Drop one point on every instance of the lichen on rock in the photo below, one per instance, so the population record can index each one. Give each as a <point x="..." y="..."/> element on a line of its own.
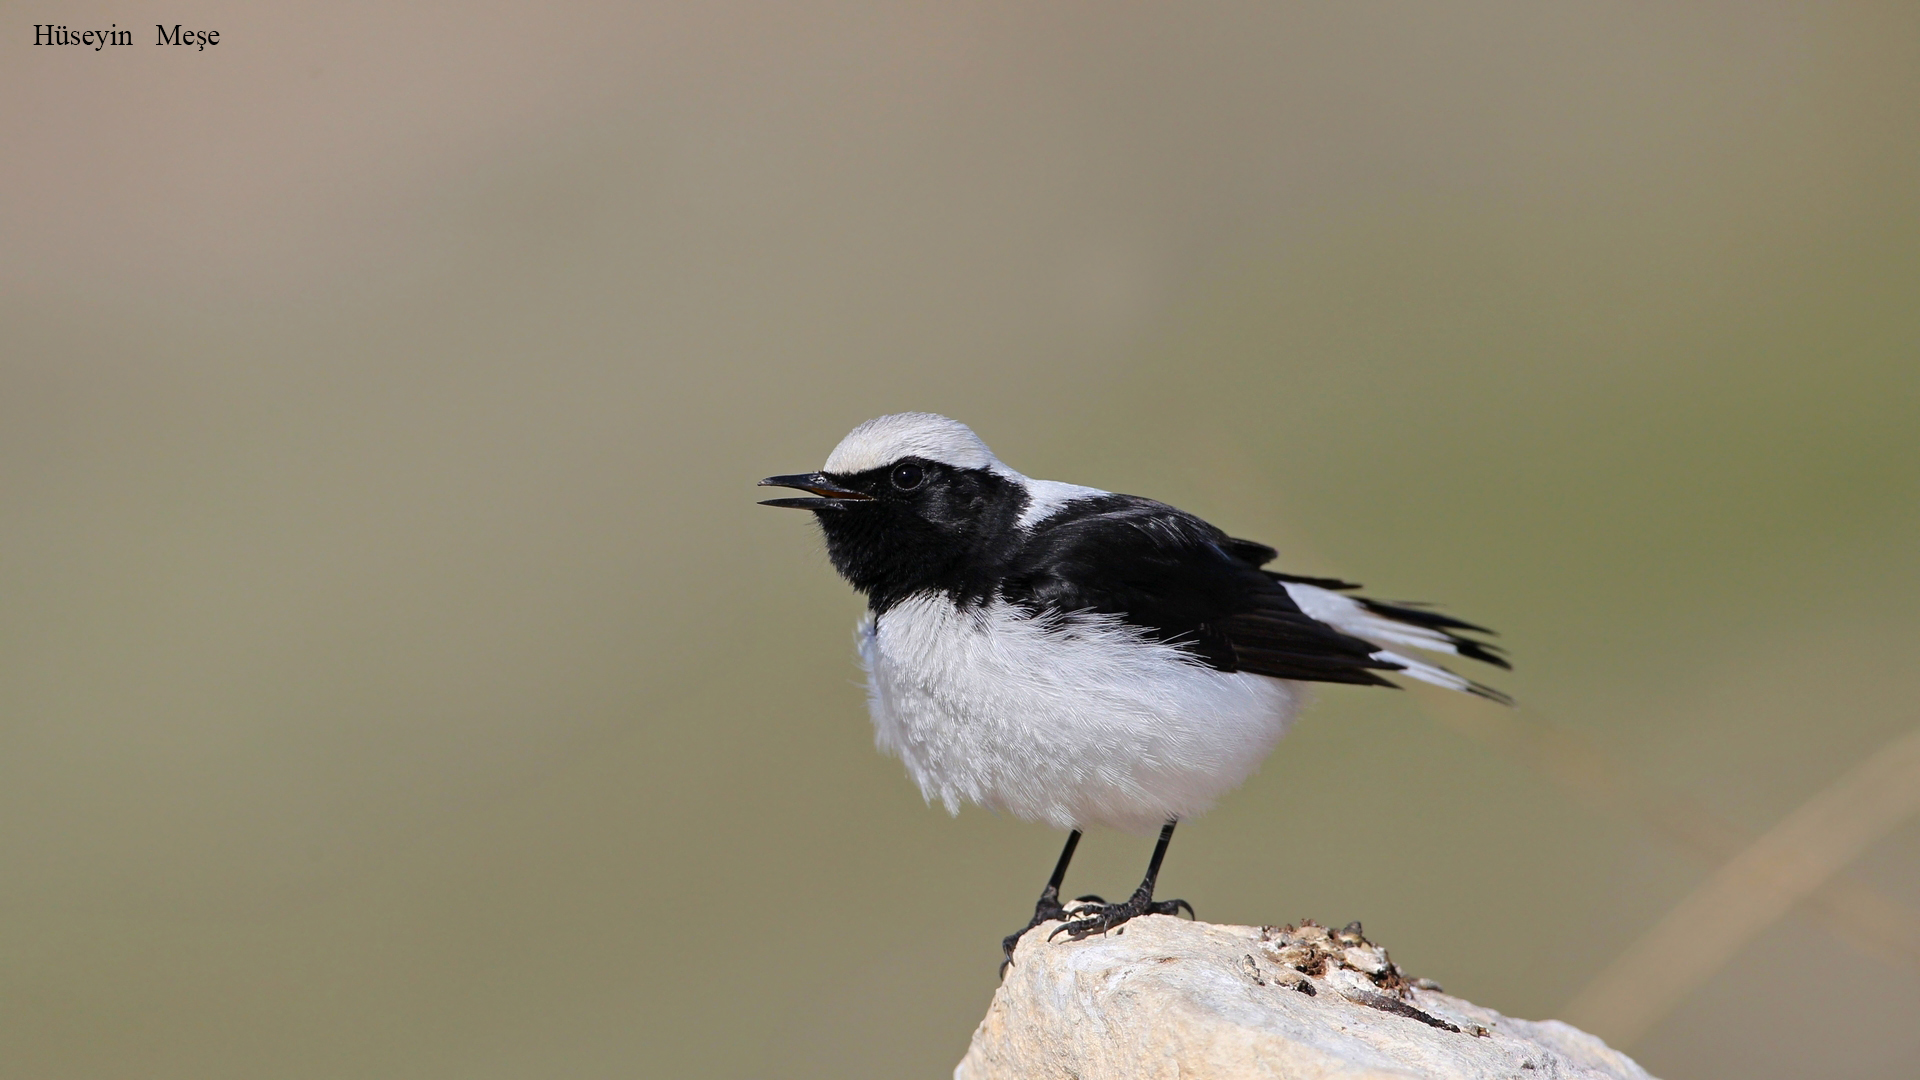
<point x="1360" y="970"/>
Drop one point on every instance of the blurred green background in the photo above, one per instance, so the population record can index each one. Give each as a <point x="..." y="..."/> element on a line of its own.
<point x="398" y="679"/>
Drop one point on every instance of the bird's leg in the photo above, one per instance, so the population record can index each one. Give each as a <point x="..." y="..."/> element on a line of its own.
<point x="1100" y="918"/>
<point x="1048" y="906"/>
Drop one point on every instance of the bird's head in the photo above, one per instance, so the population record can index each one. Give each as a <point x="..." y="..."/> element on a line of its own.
<point x="907" y="501"/>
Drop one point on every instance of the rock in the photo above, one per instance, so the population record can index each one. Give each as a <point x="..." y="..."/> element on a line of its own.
<point x="1163" y="997"/>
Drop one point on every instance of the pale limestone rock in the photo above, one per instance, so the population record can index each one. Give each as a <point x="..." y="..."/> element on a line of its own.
<point x="1164" y="997"/>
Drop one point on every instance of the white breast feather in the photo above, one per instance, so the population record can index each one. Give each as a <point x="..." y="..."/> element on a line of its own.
<point x="1074" y="720"/>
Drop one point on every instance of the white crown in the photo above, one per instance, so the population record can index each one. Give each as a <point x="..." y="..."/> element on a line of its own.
<point x="886" y="439"/>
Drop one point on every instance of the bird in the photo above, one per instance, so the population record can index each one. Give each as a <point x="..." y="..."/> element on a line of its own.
<point x="1081" y="658"/>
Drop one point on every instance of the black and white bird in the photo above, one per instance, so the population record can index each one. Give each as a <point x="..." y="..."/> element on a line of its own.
<point x="1080" y="658"/>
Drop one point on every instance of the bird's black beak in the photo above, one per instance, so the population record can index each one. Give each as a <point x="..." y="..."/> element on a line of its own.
<point x="833" y="496"/>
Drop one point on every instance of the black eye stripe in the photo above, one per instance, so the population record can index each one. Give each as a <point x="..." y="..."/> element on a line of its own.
<point x="907" y="476"/>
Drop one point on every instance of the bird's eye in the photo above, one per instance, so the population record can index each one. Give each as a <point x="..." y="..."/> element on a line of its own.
<point x="907" y="476"/>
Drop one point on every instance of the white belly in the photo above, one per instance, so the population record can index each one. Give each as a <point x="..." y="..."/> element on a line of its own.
<point x="1072" y="720"/>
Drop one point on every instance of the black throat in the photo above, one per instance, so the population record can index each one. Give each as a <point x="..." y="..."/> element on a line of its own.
<point x="954" y="537"/>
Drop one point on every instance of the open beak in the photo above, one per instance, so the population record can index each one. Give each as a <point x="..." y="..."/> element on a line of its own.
<point x="832" y="495"/>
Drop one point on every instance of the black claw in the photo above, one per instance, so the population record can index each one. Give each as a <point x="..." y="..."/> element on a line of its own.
<point x="1007" y="946"/>
<point x="1090" y="898"/>
<point x="1044" y="911"/>
<point x="1104" y="917"/>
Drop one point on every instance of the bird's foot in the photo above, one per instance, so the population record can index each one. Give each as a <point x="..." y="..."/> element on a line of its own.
<point x="1098" y="918"/>
<point x="1048" y="909"/>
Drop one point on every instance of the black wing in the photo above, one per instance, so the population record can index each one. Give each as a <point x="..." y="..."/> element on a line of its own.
<point x="1182" y="580"/>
